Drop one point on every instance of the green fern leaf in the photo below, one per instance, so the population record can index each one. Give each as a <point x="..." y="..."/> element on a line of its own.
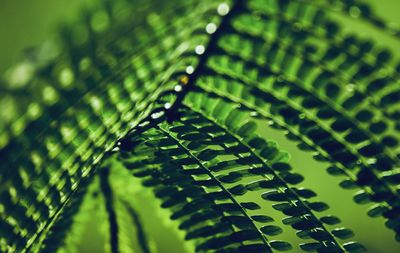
<point x="178" y="94"/>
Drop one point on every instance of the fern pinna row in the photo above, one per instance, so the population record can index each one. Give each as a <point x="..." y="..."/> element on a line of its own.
<point x="175" y="91"/>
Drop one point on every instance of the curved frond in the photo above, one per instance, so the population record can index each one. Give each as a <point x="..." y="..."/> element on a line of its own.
<point x="197" y="159"/>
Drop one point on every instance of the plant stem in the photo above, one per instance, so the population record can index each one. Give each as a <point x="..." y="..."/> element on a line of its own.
<point x="112" y="217"/>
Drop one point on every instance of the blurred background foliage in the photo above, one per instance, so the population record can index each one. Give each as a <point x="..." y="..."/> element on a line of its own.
<point x="24" y="24"/>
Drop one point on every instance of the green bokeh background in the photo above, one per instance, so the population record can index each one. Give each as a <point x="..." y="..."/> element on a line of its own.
<point x="25" y="23"/>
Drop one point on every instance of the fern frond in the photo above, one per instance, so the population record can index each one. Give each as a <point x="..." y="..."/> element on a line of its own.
<point x="303" y="128"/>
<point x="80" y="134"/>
<point x="190" y="148"/>
<point x="67" y="232"/>
<point x="174" y="187"/>
<point x="138" y="211"/>
<point x="173" y="92"/>
<point x="56" y="234"/>
<point x="343" y="58"/>
<point x="292" y="99"/>
<point x="218" y="110"/>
